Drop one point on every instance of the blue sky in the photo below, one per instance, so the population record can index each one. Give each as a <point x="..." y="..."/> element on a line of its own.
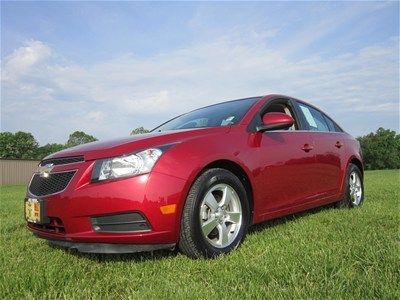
<point x="108" y="67"/>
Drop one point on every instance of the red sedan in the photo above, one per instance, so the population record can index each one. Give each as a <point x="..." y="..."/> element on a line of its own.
<point x="197" y="181"/>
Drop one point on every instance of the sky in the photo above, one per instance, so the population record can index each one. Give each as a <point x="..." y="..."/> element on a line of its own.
<point x="108" y="67"/>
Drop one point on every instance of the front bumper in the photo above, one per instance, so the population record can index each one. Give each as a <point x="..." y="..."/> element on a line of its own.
<point x="81" y="202"/>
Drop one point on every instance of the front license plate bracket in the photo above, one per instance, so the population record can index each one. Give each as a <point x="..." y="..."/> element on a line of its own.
<point x="35" y="211"/>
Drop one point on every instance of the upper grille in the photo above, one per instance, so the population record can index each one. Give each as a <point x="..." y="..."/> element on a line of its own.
<point x="61" y="161"/>
<point x="55" y="183"/>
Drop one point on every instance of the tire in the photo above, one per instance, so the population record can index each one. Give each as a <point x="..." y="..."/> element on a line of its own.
<point x="354" y="189"/>
<point x="216" y="215"/>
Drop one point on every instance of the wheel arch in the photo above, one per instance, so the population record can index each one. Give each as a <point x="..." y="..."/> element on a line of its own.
<point x="239" y="172"/>
<point x="354" y="160"/>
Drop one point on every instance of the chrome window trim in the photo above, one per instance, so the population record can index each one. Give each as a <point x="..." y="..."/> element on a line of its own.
<point x="309" y="131"/>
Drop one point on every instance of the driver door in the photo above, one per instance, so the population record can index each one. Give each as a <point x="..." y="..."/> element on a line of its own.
<point x="288" y="162"/>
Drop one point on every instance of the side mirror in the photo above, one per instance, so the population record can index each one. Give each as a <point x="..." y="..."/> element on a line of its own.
<point x="275" y="121"/>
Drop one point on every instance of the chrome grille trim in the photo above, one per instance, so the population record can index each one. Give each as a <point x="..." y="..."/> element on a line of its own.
<point x="62" y="160"/>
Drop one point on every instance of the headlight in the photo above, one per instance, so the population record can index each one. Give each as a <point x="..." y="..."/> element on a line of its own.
<point x="125" y="166"/>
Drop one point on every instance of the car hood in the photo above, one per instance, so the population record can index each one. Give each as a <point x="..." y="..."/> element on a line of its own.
<point x="116" y="147"/>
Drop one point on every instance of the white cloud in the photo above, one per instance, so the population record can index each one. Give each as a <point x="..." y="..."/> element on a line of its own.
<point x="112" y="97"/>
<point x="22" y="59"/>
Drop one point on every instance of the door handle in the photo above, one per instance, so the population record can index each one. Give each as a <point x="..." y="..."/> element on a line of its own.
<point x="338" y="144"/>
<point x="307" y="148"/>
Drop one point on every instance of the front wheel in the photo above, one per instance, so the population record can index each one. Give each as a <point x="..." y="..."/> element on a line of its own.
<point x="215" y="216"/>
<point x="354" y="194"/>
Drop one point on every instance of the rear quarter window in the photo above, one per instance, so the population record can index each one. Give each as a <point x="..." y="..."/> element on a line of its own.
<point x="332" y="125"/>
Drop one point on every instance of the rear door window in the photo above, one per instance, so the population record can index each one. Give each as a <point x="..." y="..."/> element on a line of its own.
<point x="314" y="118"/>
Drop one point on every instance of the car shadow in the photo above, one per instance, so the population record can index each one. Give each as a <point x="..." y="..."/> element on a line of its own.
<point x="165" y="254"/>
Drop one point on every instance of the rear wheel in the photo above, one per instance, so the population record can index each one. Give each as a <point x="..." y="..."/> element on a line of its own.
<point x="354" y="195"/>
<point x="215" y="216"/>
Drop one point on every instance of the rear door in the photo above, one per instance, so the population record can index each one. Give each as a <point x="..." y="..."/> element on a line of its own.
<point x="328" y="149"/>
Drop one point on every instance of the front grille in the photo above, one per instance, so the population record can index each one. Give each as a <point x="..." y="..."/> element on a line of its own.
<point x="55" y="183"/>
<point x="61" y="161"/>
<point x="54" y="226"/>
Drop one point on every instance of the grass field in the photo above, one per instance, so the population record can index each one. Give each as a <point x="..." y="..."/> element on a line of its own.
<point x="326" y="253"/>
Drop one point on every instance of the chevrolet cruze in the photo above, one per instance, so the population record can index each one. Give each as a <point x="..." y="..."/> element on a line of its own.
<point x="197" y="181"/>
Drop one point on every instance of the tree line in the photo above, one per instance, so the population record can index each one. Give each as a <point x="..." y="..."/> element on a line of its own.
<point x="23" y="145"/>
<point x="381" y="149"/>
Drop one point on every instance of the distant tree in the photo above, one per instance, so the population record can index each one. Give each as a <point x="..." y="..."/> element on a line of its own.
<point x="139" y="130"/>
<point x="48" y="149"/>
<point x="78" y="138"/>
<point x="7" y="145"/>
<point x="17" y="145"/>
<point x="381" y="150"/>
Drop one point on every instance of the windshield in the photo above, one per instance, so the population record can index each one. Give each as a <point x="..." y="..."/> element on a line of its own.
<point x="222" y="114"/>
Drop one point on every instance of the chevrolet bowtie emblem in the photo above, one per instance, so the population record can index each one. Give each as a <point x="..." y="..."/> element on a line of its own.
<point x="44" y="171"/>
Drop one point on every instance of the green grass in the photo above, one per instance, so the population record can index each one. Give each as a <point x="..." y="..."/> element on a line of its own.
<point x="325" y="253"/>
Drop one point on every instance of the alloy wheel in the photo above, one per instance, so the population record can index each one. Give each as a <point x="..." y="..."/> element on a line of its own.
<point x="355" y="188"/>
<point x="220" y="215"/>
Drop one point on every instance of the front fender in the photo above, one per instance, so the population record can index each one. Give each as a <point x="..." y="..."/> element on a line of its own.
<point x="188" y="159"/>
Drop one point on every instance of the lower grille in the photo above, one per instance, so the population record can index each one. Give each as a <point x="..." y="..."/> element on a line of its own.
<point x="55" y="226"/>
<point x="54" y="183"/>
<point x="126" y="222"/>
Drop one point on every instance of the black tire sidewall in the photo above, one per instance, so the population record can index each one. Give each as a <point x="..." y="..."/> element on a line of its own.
<point x="218" y="176"/>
